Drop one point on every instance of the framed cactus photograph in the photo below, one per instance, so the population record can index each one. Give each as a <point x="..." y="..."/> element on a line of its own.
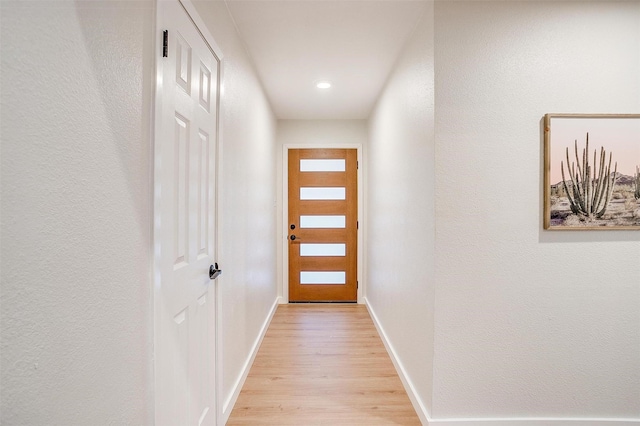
<point x="591" y="171"/>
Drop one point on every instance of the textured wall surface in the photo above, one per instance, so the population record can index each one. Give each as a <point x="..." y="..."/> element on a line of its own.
<point x="400" y="208"/>
<point x="248" y="257"/>
<point x="529" y="322"/>
<point x="76" y="293"/>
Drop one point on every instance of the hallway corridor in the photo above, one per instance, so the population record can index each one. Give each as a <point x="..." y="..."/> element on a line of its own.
<point x="322" y="364"/>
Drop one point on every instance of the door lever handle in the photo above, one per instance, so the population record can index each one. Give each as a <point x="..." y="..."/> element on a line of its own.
<point x="214" y="272"/>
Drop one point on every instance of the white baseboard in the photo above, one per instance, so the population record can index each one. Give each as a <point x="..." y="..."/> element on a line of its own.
<point x="534" y="422"/>
<point x="427" y="420"/>
<point x="421" y="410"/>
<point x="231" y="400"/>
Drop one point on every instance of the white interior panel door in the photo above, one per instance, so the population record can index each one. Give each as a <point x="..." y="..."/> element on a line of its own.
<point x="185" y="221"/>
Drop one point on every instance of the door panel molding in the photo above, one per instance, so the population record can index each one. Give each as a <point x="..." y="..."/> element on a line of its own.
<point x="206" y="304"/>
<point x="318" y="209"/>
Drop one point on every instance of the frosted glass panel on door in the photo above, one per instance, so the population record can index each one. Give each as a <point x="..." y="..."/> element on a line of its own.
<point x="323" y="277"/>
<point x="322" y="165"/>
<point x="321" y="221"/>
<point x="321" y="193"/>
<point x="323" y="249"/>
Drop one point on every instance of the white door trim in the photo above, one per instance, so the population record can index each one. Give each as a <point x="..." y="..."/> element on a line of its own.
<point x="156" y="112"/>
<point x="202" y="27"/>
<point x="284" y="240"/>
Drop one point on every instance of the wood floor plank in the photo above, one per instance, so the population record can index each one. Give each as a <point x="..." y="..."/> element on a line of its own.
<point x="322" y="365"/>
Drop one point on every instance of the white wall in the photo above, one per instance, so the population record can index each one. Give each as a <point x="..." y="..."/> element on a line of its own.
<point x="76" y="210"/>
<point x="315" y="133"/>
<point x="524" y="323"/>
<point x="76" y="224"/>
<point x="248" y="259"/>
<point x="400" y="210"/>
<point x="529" y="323"/>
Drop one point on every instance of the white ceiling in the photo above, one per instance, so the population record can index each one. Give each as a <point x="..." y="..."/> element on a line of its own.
<point x="295" y="43"/>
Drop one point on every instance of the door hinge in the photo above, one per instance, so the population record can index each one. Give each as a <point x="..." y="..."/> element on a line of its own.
<point x="357" y="164"/>
<point x="357" y="224"/>
<point x="165" y="44"/>
<point x="357" y="284"/>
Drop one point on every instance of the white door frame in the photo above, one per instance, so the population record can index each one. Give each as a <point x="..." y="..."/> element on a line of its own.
<point x="155" y="129"/>
<point x="284" y="241"/>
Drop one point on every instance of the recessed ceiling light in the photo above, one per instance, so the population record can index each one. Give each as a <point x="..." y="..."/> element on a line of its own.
<point x="323" y="85"/>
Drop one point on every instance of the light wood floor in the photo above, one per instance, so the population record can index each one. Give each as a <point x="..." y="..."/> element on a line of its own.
<point x="322" y="365"/>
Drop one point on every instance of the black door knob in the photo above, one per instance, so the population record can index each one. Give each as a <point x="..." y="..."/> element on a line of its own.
<point x="214" y="272"/>
<point x="293" y="237"/>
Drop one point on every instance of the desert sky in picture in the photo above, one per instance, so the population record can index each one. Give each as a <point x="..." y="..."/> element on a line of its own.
<point x="620" y="136"/>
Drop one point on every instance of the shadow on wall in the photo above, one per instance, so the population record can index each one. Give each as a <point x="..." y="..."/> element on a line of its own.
<point x="124" y="101"/>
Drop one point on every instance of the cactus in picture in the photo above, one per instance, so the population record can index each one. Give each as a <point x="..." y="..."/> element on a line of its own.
<point x="591" y="187"/>
<point x="637" y="180"/>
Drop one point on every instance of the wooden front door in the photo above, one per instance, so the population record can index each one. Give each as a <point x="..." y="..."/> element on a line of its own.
<point x="323" y="225"/>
